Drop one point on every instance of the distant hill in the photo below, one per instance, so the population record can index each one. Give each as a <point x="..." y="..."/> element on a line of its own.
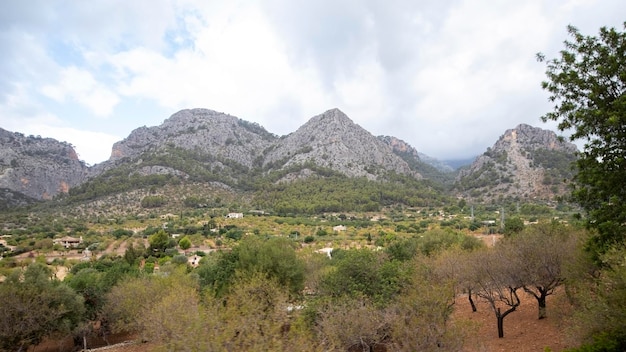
<point x="456" y="164"/>
<point x="429" y="168"/>
<point x="526" y="163"/>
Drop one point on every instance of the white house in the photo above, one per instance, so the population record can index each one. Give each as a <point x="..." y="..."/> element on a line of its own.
<point x="328" y="251"/>
<point x="234" y="215"/>
<point x="68" y="241"/>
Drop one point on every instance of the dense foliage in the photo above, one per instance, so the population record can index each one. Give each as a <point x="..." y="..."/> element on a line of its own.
<point x="344" y="194"/>
<point x="34" y="307"/>
<point x="587" y="83"/>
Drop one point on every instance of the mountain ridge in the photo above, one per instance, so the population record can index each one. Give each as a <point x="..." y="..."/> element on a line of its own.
<point x="202" y="145"/>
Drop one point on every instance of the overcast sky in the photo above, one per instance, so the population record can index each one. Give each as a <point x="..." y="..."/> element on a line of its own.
<point x="448" y="77"/>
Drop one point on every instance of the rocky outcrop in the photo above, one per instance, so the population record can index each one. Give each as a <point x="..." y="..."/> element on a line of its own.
<point x="329" y="140"/>
<point x="39" y="168"/>
<point x="204" y="131"/>
<point x="334" y="141"/>
<point x="525" y="163"/>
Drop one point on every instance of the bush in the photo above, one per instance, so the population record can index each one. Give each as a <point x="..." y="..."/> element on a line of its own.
<point x="153" y="201"/>
<point x="179" y="259"/>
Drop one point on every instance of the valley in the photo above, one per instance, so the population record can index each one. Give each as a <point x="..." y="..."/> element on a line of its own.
<point x="362" y="233"/>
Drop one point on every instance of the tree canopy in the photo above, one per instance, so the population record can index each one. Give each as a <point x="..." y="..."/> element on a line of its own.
<point x="587" y="84"/>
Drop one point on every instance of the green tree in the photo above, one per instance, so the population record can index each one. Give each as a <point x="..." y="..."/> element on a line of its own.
<point x="184" y="243"/>
<point x="274" y="257"/>
<point x="35" y="306"/>
<point x="587" y="83"/>
<point x="88" y="282"/>
<point x="153" y="201"/>
<point x="366" y="273"/>
<point x="513" y="225"/>
<point x="133" y="253"/>
<point x="599" y="319"/>
<point x="159" y="242"/>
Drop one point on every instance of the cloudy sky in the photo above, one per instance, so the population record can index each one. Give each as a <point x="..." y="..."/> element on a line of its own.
<point x="447" y="76"/>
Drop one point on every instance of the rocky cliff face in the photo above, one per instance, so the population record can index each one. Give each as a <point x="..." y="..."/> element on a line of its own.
<point x="205" y="131"/>
<point x="39" y="168"/>
<point x="333" y="140"/>
<point x="525" y="163"/>
<point x="329" y="140"/>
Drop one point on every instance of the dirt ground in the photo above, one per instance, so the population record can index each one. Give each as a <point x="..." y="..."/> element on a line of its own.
<point x="523" y="332"/>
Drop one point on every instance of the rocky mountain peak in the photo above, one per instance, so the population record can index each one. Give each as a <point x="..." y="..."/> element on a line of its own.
<point x="399" y="146"/>
<point x="526" y="162"/>
<point x="533" y="137"/>
<point x="331" y="118"/>
<point x="196" y="118"/>
<point x="202" y="130"/>
<point x="333" y="140"/>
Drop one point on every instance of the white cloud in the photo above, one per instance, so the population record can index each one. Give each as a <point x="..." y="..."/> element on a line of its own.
<point x="79" y="85"/>
<point x="448" y="76"/>
<point x="91" y="147"/>
<point x="236" y="64"/>
<point x="21" y="114"/>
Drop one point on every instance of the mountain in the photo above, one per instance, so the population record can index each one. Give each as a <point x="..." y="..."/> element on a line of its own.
<point x="526" y="163"/>
<point x="210" y="151"/>
<point x="207" y="146"/>
<point x="197" y="145"/>
<point x="35" y="168"/>
<point x="331" y="140"/>
<point x="204" y="131"/>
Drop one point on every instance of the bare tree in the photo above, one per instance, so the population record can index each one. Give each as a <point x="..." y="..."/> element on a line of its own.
<point x="540" y="254"/>
<point x="454" y="265"/>
<point x="420" y="316"/>
<point x="497" y="281"/>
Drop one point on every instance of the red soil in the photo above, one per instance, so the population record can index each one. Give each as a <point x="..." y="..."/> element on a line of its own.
<point x="522" y="330"/>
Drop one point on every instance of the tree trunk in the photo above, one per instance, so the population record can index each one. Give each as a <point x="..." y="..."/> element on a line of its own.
<point x="500" y="317"/>
<point x="500" y="324"/>
<point x="541" y="300"/>
<point x="471" y="301"/>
